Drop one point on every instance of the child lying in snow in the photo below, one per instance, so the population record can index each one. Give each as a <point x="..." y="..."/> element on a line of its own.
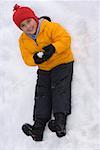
<point x="47" y="45"/>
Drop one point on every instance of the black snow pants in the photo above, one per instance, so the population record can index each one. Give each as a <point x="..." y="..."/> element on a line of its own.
<point x="53" y="91"/>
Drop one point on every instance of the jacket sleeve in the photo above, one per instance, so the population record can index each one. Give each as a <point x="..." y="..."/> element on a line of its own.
<point x="60" y="37"/>
<point x="26" y="55"/>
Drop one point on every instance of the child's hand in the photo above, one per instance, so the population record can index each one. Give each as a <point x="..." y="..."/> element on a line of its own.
<point x="40" y="54"/>
<point x="40" y="57"/>
<point x="48" y="51"/>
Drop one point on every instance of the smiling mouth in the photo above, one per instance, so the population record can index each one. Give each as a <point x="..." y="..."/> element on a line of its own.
<point x="31" y="29"/>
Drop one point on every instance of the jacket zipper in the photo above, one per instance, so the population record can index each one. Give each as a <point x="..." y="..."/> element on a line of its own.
<point x="36" y="42"/>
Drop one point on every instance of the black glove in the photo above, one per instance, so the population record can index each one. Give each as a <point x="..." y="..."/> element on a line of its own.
<point x="40" y="57"/>
<point x="37" y="59"/>
<point x="48" y="51"/>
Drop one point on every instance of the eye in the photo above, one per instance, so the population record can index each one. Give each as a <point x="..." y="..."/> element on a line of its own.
<point x="22" y="25"/>
<point x="28" y="21"/>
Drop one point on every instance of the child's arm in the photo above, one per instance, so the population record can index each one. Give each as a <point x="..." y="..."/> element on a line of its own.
<point x="60" y="37"/>
<point x="61" y="41"/>
<point x="27" y="56"/>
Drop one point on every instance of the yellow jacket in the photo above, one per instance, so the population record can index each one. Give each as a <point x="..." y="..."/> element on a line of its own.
<point x="50" y="33"/>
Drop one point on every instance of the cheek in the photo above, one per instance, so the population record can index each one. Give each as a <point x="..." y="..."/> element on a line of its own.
<point x="34" y="25"/>
<point x="23" y="28"/>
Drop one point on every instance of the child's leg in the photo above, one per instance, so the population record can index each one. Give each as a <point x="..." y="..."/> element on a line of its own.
<point x="42" y="107"/>
<point x="43" y="102"/>
<point x="61" y="78"/>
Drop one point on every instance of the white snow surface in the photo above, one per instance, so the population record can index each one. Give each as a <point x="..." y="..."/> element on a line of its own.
<point x="17" y="81"/>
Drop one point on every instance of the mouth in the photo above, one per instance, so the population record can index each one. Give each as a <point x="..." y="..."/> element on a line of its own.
<point x="30" y="29"/>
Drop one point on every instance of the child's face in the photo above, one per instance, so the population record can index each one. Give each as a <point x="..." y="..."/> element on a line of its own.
<point x="29" y="26"/>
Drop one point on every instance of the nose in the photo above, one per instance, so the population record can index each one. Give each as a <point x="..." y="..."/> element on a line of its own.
<point x="28" y="26"/>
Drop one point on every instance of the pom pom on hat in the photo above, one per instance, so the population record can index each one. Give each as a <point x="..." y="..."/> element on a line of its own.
<point x="16" y="7"/>
<point x="23" y="13"/>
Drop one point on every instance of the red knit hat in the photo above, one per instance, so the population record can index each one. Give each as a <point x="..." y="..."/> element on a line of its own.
<point x="22" y="13"/>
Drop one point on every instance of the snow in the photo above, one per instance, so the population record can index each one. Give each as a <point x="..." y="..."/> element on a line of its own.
<point x="17" y="81"/>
